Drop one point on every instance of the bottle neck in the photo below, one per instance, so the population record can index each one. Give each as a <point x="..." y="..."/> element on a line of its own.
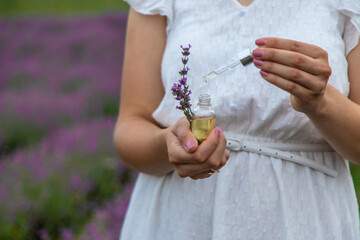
<point x="204" y="104"/>
<point x="204" y="100"/>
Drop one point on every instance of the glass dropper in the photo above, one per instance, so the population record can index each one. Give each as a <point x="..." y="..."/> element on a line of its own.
<point x="244" y="58"/>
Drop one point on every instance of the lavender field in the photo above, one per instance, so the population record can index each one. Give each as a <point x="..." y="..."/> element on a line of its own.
<point x="60" y="177"/>
<point x="60" y="81"/>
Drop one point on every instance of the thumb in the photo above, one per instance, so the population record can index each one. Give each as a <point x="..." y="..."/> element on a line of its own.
<point x="185" y="136"/>
<point x="191" y="145"/>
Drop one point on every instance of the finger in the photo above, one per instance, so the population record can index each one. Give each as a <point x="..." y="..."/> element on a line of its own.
<point x="311" y="82"/>
<point x="215" y="160"/>
<point x="184" y="134"/>
<point x="202" y="175"/>
<point x="293" y="59"/>
<point x="176" y="152"/>
<point x="188" y="170"/>
<point x="289" y="86"/>
<point x="205" y="174"/>
<point x="227" y="155"/>
<point x="292" y="45"/>
<point x="207" y="147"/>
<point x="222" y="163"/>
<point x="224" y="160"/>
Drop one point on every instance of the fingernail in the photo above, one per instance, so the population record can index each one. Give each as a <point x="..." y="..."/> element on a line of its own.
<point x="258" y="62"/>
<point x="218" y="131"/>
<point x="189" y="145"/>
<point x="260" y="42"/>
<point x="257" y="53"/>
<point x="263" y="73"/>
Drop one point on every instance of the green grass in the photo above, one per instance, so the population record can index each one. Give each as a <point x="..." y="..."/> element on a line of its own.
<point x="355" y="172"/>
<point x="60" y="7"/>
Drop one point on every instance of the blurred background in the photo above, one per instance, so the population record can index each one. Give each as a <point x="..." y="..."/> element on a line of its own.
<point x="60" y="80"/>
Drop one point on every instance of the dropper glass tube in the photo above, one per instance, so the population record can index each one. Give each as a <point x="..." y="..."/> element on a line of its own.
<point x="244" y="58"/>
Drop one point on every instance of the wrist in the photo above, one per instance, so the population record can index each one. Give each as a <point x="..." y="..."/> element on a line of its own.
<point x="162" y="140"/>
<point x="322" y="109"/>
<point x="162" y="137"/>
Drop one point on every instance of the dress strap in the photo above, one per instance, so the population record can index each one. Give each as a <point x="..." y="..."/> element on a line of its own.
<point x="281" y="151"/>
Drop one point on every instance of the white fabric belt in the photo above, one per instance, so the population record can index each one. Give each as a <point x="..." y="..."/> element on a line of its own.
<point x="278" y="150"/>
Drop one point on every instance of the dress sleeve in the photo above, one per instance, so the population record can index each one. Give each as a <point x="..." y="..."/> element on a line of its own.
<point x="350" y="9"/>
<point x="153" y="7"/>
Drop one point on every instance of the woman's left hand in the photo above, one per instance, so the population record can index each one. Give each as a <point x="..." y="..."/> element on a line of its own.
<point x="299" y="68"/>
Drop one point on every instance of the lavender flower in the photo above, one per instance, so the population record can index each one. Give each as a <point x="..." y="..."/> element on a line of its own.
<point x="43" y="234"/>
<point x="181" y="90"/>
<point x="107" y="220"/>
<point x="66" y="234"/>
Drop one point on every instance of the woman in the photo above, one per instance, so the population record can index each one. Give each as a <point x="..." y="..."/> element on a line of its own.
<point x="287" y="178"/>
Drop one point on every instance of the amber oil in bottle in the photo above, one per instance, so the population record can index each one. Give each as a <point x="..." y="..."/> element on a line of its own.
<point x="204" y="118"/>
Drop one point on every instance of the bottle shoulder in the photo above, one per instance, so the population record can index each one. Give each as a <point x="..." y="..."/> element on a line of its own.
<point x="202" y="111"/>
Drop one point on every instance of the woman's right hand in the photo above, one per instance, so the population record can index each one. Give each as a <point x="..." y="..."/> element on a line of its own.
<point x="193" y="160"/>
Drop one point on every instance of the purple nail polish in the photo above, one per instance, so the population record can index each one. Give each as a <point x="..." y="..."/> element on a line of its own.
<point x="260" y="42"/>
<point x="257" y="53"/>
<point x="189" y="145"/>
<point x="263" y="73"/>
<point x="258" y="62"/>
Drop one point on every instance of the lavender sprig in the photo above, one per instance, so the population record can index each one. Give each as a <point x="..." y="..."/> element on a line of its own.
<point x="181" y="90"/>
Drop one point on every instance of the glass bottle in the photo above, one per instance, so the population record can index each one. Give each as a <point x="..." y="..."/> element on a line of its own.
<point x="204" y="118"/>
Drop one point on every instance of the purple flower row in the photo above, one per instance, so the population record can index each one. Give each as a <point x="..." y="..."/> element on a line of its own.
<point x="107" y="221"/>
<point x="56" y="72"/>
<point x="55" y="76"/>
<point x="89" y="48"/>
<point x="68" y="162"/>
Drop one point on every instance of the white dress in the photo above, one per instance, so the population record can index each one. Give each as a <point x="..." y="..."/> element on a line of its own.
<point x="255" y="196"/>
